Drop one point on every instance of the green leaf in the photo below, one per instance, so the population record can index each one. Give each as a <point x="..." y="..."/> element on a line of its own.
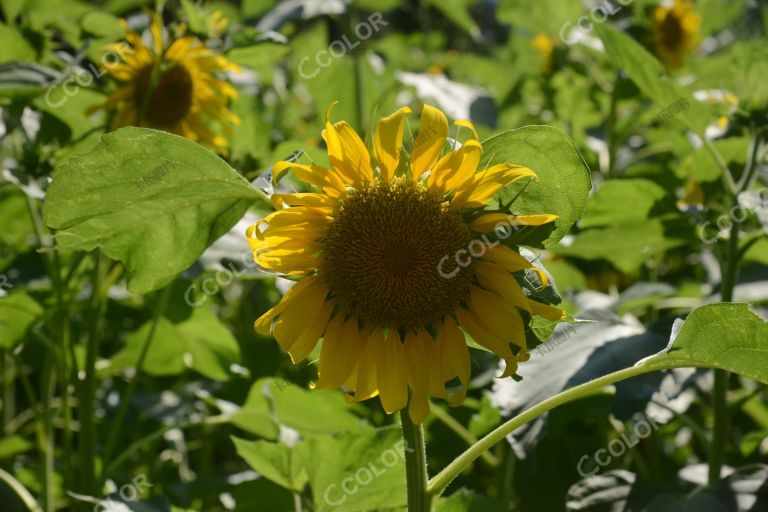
<point x="357" y="471"/>
<point x="18" y="311"/>
<point x="622" y="202"/>
<point x="102" y="24"/>
<point x="457" y="11"/>
<point x="200" y="342"/>
<point x="649" y="75"/>
<point x="702" y="167"/>
<point x="563" y="182"/>
<point x="12" y="8"/>
<point x="485" y="419"/>
<point x="69" y="103"/>
<point x="153" y="200"/>
<point x="15" y="46"/>
<point x="17" y="235"/>
<point x="255" y="416"/>
<point x="726" y="336"/>
<point x="626" y="246"/>
<point x="468" y="501"/>
<point x="313" y="412"/>
<point x="261" y="58"/>
<point x="11" y="446"/>
<point x="279" y="463"/>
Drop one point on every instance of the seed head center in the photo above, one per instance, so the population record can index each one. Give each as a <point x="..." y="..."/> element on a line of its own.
<point x="383" y="250"/>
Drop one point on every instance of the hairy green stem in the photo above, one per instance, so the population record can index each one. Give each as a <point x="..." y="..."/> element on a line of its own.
<point x="438" y="484"/>
<point x="419" y="499"/>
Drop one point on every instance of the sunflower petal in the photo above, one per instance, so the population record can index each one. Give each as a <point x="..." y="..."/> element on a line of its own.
<point x="388" y="142"/>
<point x="341" y="352"/>
<point x="433" y="131"/>
<point x="486" y="183"/>
<point x="314" y="175"/>
<point x="346" y="152"/>
<point x="391" y="374"/>
<point x="490" y="221"/>
<point x="419" y="351"/>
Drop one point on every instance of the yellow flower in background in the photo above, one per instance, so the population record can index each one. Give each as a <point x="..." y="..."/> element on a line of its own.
<point x="675" y="32"/>
<point x="175" y="89"/>
<point x="693" y="195"/>
<point x="375" y="250"/>
<point x="217" y="23"/>
<point x="545" y="46"/>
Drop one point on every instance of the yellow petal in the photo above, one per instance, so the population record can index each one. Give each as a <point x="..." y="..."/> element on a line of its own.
<point x="366" y="370"/>
<point x="156" y="29"/>
<point x="263" y="325"/>
<point x="471" y="323"/>
<point x="456" y="170"/>
<point x="420" y="354"/>
<point x="490" y="221"/>
<point x="305" y="309"/>
<point x="391" y="374"/>
<point x="471" y="127"/>
<point x="497" y="279"/>
<point x="342" y="347"/>
<point x="486" y="183"/>
<point x="500" y="319"/>
<point x="511" y="260"/>
<point x="546" y="311"/>
<point x="322" y="178"/>
<point x="433" y="131"/>
<point x="388" y="142"/>
<point x="346" y="152"/>
<point x="312" y="200"/>
<point x="453" y="360"/>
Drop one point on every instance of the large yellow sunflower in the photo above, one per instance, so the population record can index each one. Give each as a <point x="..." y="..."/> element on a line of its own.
<point x="675" y="32"/>
<point x="174" y="89"/>
<point x="382" y="254"/>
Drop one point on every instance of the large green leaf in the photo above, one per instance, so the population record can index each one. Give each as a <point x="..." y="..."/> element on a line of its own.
<point x="626" y="246"/>
<point x="726" y="336"/>
<point x="279" y="463"/>
<point x="563" y="183"/>
<point x="255" y="416"/>
<point x="357" y="471"/>
<point x="152" y="200"/>
<point x="649" y="75"/>
<point x="621" y="202"/>
<point x="200" y="342"/>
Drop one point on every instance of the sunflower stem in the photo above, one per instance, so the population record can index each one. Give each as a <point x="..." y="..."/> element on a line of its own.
<point x="419" y="498"/>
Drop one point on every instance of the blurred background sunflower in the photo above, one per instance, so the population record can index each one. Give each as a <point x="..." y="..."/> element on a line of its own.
<point x="171" y="85"/>
<point x="675" y="32"/>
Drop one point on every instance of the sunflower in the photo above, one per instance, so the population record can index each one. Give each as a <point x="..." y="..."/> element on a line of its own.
<point x="675" y="32"/>
<point x="174" y="89"/>
<point x="381" y="258"/>
<point x="545" y="46"/>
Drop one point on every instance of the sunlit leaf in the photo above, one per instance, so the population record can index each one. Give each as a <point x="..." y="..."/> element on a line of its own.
<point x="563" y="183"/>
<point x="152" y="200"/>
